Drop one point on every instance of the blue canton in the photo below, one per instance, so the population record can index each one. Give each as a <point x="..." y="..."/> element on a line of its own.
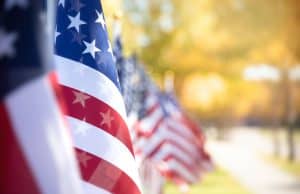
<point x="81" y="35"/>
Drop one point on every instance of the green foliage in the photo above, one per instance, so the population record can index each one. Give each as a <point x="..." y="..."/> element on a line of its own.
<point x="220" y="37"/>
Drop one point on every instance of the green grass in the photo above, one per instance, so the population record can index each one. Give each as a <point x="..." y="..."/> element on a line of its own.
<point x="290" y="167"/>
<point x="287" y="166"/>
<point x="216" y="182"/>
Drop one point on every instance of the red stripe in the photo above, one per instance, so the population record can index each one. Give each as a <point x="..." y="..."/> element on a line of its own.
<point x="103" y="174"/>
<point x="144" y="133"/>
<point x="192" y="140"/>
<point x="188" y="140"/>
<point x="193" y="168"/>
<point x="194" y="128"/>
<point x="175" y="177"/>
<point x="91" y="113"/>
<point x="15" y="174"/>
<point x="200" y="137"/>
<point x="150" y="110"/>
<point x="199" y="144"/>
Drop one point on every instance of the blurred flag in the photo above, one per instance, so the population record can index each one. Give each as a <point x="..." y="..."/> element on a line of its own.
<point x="151" y="179"/>
<point x="206" y="161"/>
<point x="167" y="143"/>
<point x="128" y="72"/>
<point x="37" y="154"/>
<point x="96" y="110"/>
<point x="124" y="66"/>
<point x="162" y="140"/>
<point x="164" y="136"/>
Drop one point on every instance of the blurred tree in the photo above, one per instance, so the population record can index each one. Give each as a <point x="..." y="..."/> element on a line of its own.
<point x="219" y="37"/>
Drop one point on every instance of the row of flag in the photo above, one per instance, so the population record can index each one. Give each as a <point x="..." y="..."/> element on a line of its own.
<point x="83" y="118"/>
<point x="162" y="133"/>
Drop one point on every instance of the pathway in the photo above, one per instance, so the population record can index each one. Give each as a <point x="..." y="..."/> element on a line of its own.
<point x="240" y="155"/>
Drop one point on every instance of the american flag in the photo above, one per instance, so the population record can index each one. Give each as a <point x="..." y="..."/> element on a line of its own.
<point x="128" y="73"/>
<point x="168" y="143"/>
<point x="37" y="153"/>
<point x="124" y="67"/>
<point x="96" y="110"/>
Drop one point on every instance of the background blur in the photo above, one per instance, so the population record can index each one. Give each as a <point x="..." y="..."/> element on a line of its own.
<point x="209" y="45"/>
<point x="236" y="65"/>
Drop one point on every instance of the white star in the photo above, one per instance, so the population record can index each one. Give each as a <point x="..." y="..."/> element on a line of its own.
<point x="6" y="43"/>
<point x="106" y="118"/>
<point x="100" y="19"/>
<point x="56" y="35"/>
<point x="75" y="22"/>
<point x="80" y="98"/>
<point x="91" y="48"/>
<point x="81" y="128"/>
<point x="62" y="3"/>
<point x="11" y="3"/>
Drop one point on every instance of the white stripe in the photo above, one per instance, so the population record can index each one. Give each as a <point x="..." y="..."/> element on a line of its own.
<point x="181" y="140"/>
<point x="81" y="77"/>
<point x="40" y="129"/>
<point x="151" y="177"/>
<point x="105" y="146"/>
<point x="149" y="122"/>
<point x="173" y="165"/>
<point x="180" y="127"/>
<point x="167" y="149"/>
<point x="91" y="189"/>
<point x="149" y="144"/>
<point x="151" y="101"/>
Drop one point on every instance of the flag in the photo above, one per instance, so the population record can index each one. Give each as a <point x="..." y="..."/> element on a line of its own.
<point x="96" y="111"/>
<point x="37" y="153"/>
<point x="169" y="139"/>
<point x="170" y="145"/>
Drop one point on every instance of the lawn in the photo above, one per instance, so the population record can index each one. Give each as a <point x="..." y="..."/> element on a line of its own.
<point x="284" y="164"/>
<point x="216" y="182"/>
